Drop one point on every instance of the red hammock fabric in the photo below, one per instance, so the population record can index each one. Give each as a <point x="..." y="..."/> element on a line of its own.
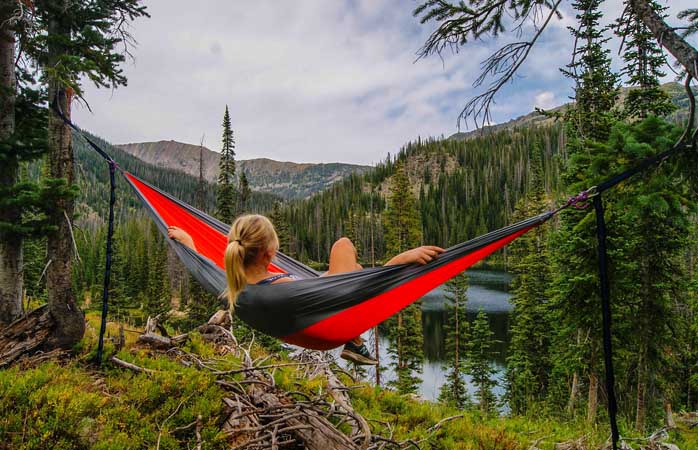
<point x="209" y="242"/>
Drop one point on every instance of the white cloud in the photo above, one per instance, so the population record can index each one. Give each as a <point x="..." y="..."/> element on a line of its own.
<point x="308" y="80"/>
<point x="546" y="100"/>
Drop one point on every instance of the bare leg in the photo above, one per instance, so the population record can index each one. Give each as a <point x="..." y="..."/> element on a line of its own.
<point x="343" y="259"/>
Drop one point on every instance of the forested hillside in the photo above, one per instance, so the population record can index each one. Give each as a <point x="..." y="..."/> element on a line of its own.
<point x="464" y="188"/>
<point x="465" y="185"/>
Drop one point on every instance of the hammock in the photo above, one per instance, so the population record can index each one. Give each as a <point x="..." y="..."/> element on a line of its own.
<point x="314" y="312"/>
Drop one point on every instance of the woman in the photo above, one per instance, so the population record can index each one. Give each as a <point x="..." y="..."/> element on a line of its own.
<point x="252" y="244"/>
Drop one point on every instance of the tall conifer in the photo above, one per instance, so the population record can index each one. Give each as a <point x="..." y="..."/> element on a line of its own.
<point x="403" y="230"/>
<point x="478" y="362"/>
<point x="643" y="66"/>
<point x="225" y="195"/>
<point x="244" y="193"/>
<point x="454" y="391"/>
<point x="528" y="364"/>
<point x="588" y="122"/>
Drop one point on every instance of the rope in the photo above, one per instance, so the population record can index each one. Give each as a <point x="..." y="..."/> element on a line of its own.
<point x="113" y="166"/>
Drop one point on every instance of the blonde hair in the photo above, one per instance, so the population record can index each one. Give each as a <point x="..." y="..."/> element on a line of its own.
<point x="250" y="236"/>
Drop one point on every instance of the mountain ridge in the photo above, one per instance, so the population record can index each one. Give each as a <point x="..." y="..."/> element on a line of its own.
<point x="287" y="179"/>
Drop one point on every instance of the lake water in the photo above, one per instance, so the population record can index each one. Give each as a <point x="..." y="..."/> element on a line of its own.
<point x="488" y="291"/>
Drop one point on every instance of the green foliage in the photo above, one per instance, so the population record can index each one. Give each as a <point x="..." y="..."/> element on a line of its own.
<point x="157" y="297"/>
<point x="643" y="66"/>
<point x="478" y="364"/>
<point x="244" y="193"/>
<point x="597" y="86"/>
<point x="528" y="366"/>
<point x="455" y="329"/>
<point x="226" y="189"/>
<point x="402" y="221"/>
<point x="89" y="48"/>
<point x="404" y="231"/>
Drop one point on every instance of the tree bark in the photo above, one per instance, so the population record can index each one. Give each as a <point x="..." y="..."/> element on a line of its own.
<point x="70" y="322"/>
<point x="593" y="403"/>
<point x="684" y="53"/>
<point x="573" y="393"/>
<point x="11" y="257"/>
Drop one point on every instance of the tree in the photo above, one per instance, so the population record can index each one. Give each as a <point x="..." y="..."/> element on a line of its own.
<point x="454" y="391"/>
<point x="643" y="66"/>
<point x="244" y="193"/>
<point x="528" y="364"/>
<point x="68" y="41"/>
<point x="225" y="197"/>
<point x="403" y="230"/>
<point x="281" y="225"/>
<point x="157" y="296"/>
<point x="478" y="364"/>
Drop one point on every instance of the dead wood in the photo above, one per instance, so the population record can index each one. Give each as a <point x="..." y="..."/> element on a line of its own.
<point x="25" y="335"/>
<point x="130" y="366"/>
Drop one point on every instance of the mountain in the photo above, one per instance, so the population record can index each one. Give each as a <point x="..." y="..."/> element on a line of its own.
<point x="675" y="90"/>
<point x="93" y="181"/>
<point x="285" y="179"/>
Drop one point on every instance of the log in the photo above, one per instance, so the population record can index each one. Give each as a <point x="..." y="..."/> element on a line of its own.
<point x="25" y="335"/>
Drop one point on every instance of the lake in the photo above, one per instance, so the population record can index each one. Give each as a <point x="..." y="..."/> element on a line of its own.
<point x="488" y="291"/>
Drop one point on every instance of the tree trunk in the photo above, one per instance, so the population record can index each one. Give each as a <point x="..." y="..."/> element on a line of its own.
<point x="593" y="403"/>
<point x="668" y="416"/>
<point x="573" y="393"/>
<point x="11" y="260"/>
<point x="684" y="53"/>
<point x="70" y="322"/>
<point x="641" y="401"/>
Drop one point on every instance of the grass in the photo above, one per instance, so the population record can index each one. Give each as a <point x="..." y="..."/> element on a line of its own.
<point x="73" y="405"/>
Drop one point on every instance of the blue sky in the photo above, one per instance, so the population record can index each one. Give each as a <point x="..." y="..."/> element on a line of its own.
<point x="310" y="80"/>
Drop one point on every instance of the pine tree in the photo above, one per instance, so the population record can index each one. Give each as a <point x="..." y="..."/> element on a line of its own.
<point x="244" y="193"/>
<point x="643" y="66"/>
<point x="281" y="226"/>
<point x="528" y="365"/>
<point x="596" y="88"/>
<point x="454" y="391"/>
<point x="403" y="231"/>
<point x="589" y="121"/>
<point x="403" y="223"/>
<point x="226" y="193"/>
<point x="352" y="231"/>
<point x="478" y="364"/>
<point x="157" y="298"/>
<point x="68" y="42"/>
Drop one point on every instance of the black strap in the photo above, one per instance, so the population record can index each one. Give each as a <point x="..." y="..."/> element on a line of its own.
<point x="107" y="265"/>
<point x="606" y="318"/>
<point x="110" y="230"/>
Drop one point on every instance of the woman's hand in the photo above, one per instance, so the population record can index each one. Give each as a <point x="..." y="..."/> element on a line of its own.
<point x="182" y="236"/>
<point x="419" y="255"/>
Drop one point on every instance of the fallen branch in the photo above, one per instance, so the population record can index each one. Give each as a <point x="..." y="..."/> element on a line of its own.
<point x="130" y="366"/>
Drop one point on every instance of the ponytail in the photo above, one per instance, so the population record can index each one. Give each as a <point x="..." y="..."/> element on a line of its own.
<point x="234" y="271"/>
<point x="250" y="236"/>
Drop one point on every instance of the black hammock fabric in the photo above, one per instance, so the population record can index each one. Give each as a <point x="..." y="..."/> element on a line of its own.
<point x="318" y="312"/>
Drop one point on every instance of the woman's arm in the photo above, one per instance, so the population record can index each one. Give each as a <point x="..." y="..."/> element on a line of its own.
<point x="419" y="255"/>
<point x="182" y="236"/>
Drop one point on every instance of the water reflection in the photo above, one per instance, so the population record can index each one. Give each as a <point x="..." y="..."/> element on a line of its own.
<point x="488" y="291"/>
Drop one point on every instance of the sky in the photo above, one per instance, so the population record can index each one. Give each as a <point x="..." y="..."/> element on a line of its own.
<point x="311" y="80"/>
